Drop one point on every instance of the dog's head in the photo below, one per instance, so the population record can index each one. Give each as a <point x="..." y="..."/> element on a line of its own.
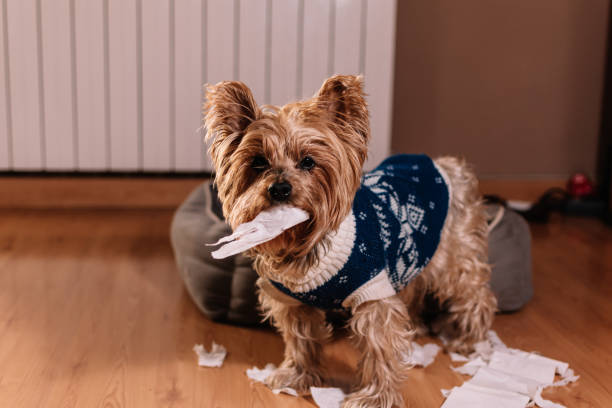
<point x="308" y="154"/>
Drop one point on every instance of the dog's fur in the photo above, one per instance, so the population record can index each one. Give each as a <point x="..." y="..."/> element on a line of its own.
<point x="332" y="128"/>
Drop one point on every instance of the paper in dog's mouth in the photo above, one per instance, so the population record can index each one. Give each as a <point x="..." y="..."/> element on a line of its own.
<point x="266" y="226"/>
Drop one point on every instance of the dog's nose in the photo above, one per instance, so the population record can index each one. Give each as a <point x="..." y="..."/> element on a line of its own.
<point x="280" y="191"/>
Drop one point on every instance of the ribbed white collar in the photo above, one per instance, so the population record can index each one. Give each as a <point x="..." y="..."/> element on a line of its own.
<point x="341" y="245"/>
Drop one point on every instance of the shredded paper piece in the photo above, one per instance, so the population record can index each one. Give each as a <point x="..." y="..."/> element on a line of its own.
<point x="473" y="396"/>
<point x="214" y="358"/>
<point x="502" y="377"/>
<point x="506" y="378"/>
<point x="266" y="226"/>
<point x="457" y="357"/>
<point x="286" y="390"/>
<point x="423" y="355"/>
<point x="324" y="397"/>
<point x="327" y="397"/>
<point x="260" y="374"/>
<point x="471" y="367"/>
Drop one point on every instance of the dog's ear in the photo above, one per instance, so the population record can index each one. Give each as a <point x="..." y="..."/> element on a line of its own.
<point x="229" y="109"/>
<point x="343" y="98"/>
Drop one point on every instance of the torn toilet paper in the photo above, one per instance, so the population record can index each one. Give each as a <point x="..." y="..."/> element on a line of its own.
<point x="457" y="357"/>
<point x="330" y="397"/>
<point x="327" y="397"/>
<point x="324" y="397"/>
<point x="473" y="396"/>
<point x="502" y="377"/>
<point x="266" y="226"/>
<point x="423" y="355"/>
<point x="214" y="358"/>
<point x="260" y="374"/>
<point x="507" y="378"/>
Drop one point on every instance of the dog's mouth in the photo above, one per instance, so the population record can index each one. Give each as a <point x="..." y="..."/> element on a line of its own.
<point x="287" y="241"/>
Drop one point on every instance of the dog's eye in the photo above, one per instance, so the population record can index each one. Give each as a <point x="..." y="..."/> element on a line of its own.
<point x="307" y="163"/>
<point x="259" y="163"/>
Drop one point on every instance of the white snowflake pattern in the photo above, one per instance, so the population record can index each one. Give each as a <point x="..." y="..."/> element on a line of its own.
<point x="415" y="167"/>
<point x="438" y="180"/>
<point x="424" y="229"/>
<point x="362" y="216"/>
<point x="362" y="248"/>
<point x="385" y="231"/>
<point x="400" y="266"/>
<point x="413" y="254"/>
<point x="371" y="179"/>
<point x="343" y="279"/>
<point x="432" y="205"/>
<point x="415" y="179"/>
<point x="415" y="215"/>
<point x="410" y="218"/>
<point x="408" y="275"/>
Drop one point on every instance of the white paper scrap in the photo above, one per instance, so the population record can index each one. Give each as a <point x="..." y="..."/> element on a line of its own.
<point x="324" y="397"/>
<point x="544" y="403"/>
<point x="214" y="358"/>
<point x="423" y="355"/>
<point x="260" y="374"/>
<point x="496" y="342"/>
<point x="471" y="367"/>
<point x="491" y="378"/>
<point x="285" y="390"/>
<point x="509" y="377"/>
<point x="327" y="397"/>
<point x="266" y="226"/>
<point x="566" y="378"/>
<point x="528" y="366"/>
<point x="458" y="358"/>
<point x="473" y="396"/>
<point x="486" y="347"/>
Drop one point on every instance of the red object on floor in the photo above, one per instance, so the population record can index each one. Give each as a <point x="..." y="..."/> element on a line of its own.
<point x="579" y="185"/>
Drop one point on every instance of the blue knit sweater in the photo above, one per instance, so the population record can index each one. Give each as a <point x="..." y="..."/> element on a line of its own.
<point x="388" y="238"/>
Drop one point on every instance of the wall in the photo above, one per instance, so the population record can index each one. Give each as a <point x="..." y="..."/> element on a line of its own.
<point x="514" y="86"/>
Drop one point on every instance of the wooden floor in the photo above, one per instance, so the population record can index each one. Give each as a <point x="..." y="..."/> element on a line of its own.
<point x="93" y="314"/>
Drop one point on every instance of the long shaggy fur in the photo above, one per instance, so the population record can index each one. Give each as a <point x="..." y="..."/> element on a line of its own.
<point x="332" y="128"/>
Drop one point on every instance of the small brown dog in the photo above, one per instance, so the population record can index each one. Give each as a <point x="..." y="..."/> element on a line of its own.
<point x="310" y="154"/>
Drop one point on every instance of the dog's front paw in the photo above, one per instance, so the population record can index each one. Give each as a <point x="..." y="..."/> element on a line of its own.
<point x="291" y="377"/>
<point x="367" y="398"/>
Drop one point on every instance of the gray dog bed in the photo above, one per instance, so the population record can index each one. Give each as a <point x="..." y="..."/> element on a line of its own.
<point x="224" y="289"/>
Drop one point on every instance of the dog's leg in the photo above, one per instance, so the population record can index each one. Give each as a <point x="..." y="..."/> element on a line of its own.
<point x="458" y="274"/>
<point x="460" y="282"/>
<point x="304" y="330"/>
<point x="383" y="332"/>
<point x="471" y="313"/>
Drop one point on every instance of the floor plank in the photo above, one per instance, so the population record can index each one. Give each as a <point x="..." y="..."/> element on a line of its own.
<point x="93" y="314"/>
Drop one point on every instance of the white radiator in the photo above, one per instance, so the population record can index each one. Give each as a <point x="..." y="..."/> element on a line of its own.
<point x="116" y="85"/>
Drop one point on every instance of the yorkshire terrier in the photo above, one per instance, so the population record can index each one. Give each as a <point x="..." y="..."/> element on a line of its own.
<point x="388" y="246"/>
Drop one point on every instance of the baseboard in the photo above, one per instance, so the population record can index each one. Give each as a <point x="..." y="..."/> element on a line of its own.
<point x="160" y="192"/>
<point x="94" y="192"/>
<point x="519" y="189"/>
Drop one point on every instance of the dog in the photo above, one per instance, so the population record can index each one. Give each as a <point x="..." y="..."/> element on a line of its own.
<point x="310" y="154"/>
